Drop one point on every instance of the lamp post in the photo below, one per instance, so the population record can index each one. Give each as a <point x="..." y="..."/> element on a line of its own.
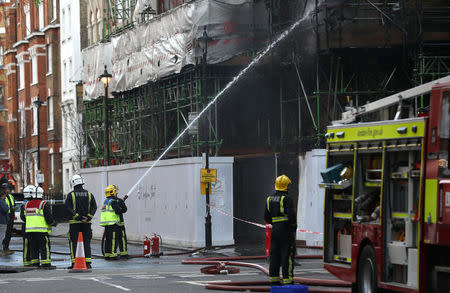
<point x="105" y="77"/>
<point x="203" y="41"/>
<point x="38" y="103"/>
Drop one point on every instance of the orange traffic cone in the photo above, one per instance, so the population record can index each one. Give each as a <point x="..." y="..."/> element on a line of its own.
<point x="80" y="260"/>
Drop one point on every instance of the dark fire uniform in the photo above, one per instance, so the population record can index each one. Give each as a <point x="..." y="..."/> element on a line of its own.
<point x="80" y="203"/>
<point x="280" y="212"/>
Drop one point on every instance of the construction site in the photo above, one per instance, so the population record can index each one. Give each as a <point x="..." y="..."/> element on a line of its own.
<point x="342" y="54"/>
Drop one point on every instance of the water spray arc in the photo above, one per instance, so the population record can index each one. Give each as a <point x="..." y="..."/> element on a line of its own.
<point x="234" y="80"/>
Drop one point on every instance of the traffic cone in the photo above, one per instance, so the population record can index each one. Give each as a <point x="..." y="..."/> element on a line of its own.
<point x="80" y="260"/>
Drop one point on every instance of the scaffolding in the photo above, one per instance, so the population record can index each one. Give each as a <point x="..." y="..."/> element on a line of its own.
<point x="145" y="120"/>
<point x="363" y="50"/>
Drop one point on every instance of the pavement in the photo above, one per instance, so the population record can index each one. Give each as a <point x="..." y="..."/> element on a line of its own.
<point x="165" y="274"/>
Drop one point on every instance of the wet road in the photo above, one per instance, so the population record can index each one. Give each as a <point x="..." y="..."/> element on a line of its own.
<point x="163" y="275"/>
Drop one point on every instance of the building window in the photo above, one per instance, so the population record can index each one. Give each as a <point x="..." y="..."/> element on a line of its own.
<point x="34" y="67"/>
<point x="69" y="72"/>
<point x="63" y="19"/>
<point x="54" y="10"/>
<point x="26" y="10"/>
<point x="1" y="57"/>
<point x="2" y="97"/>
<point x="50" y="112"/>
<point x="99" y="26"/>
<point x="64" y="75"/>
<point x="21" y="75"/>
<point x="2" y="140"/>
<point x="52" y="169"/>
<point x="41" y="15"/>
<point x="49" y="58"/>
<point x="35" y="121"/>
<point x="22" y="122"/>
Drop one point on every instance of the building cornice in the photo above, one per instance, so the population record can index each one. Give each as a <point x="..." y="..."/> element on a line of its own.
<point x="34" y="34"/>
<point x="10" y="51"/>
<point x="20" y="56"/>
<point x="50" y="26"/>
<point x="20" y="43"/>
<point x="33" y="50"/>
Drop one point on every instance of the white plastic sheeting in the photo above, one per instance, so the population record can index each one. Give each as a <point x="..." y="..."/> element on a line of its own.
<point x="311" y="197"/>
<point x="168" y="202"/>
<point x="168" y="42"/>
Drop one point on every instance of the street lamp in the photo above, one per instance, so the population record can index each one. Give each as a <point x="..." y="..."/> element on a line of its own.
<point x="203" y="42"/>
<point x="38" y="103"/>
<point x="105" y="77"/>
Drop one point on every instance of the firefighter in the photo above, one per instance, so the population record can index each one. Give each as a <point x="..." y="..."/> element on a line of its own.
<point x="122" y="242"/>
<point x="11" y="213"/>
<point x="38" y="221"/>
<point x="28" y="193"/>
<point x="280" y="212"/>
<point x="110" y="219"/>
<point x="82" y="207"/>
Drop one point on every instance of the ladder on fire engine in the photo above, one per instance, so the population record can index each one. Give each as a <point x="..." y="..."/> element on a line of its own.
<point x="350" y="115"/>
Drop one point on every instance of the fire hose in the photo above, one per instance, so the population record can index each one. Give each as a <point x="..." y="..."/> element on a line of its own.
<point x="222" y="262"/>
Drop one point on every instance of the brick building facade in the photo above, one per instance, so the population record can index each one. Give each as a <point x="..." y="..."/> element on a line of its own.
<point x="32" y="61"/>
<point x="4" y="149"/>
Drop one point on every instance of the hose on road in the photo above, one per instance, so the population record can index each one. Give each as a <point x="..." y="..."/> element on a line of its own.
<point x="255" y="286"/>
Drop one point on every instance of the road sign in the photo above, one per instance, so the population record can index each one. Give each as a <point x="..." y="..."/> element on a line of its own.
<point x="208" y="175"/>
<point x="203" y="187"/>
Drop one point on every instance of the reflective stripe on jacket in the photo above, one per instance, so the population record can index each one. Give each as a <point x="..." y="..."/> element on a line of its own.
<point x="276" y="202"/>
<point x="35" y="220"/>
<point x="74" y="205"/>
<point x="108" y="216"/>
<point x="10" y="202"/>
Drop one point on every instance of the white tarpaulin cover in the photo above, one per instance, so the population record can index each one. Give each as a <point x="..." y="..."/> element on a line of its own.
<point x="167" y="43"/>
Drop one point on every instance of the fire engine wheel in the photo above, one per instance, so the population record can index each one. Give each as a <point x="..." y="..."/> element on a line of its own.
<point x="367" y="271"/>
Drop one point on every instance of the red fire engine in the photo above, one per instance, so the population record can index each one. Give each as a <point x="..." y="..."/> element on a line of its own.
<point x="387" y="196"/>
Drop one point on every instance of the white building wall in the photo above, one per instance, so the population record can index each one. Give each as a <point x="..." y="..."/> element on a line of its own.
<point x="168" y="200"/>
<point x="69" y="12"/>
<point x="311" y="197"/>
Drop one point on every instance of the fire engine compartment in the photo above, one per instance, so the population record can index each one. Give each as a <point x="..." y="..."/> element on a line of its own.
<point x="381" y="196"/>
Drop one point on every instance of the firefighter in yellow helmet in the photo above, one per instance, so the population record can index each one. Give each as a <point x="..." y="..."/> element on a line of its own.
<point x="110" y="219"/>
<point x="280" y="212"/>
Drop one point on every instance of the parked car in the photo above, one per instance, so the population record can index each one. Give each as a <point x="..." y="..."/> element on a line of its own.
<point x="17" y="227"/>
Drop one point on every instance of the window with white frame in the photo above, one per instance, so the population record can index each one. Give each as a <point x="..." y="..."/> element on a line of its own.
<point x="35" y="120"/>
<point x="34" y="69"/>
<point x="69" y="72"/>
<point x="49" y="58"/>
<point x="50" y="113"/>
<point x="52" y="169"/>
<point x="26" y="10"/>
<point x="41" y="15"/>
<point x="54" y="10"/>
<point x="64" y="72"/>
<point x="21" y="75"/>
<point x="62" y="21"/>
<point x="99" y="25"/>
<point x="22" y="122"/>
<point x="69" y="16"/>
<point x="1" y="56"/>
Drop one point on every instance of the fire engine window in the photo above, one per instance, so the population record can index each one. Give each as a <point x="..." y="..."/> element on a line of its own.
<point x="444" y="135"/>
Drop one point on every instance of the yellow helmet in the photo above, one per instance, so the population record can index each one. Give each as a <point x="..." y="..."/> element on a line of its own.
<point x="111" y="190"/>
<point x="282" y="183"/>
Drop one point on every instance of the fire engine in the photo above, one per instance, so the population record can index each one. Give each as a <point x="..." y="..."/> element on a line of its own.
<point x="387" y="195"/>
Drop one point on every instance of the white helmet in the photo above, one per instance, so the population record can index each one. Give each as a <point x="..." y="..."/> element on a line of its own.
<point x="39" y="192"/>
<point x="77" y="180"/>
<point x="29" y="191"/>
